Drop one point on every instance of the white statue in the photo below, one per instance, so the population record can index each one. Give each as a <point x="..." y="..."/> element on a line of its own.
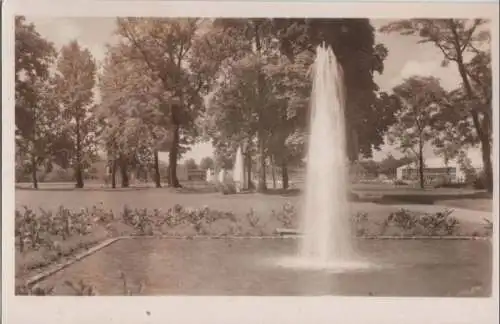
<point x="208" y="176"/>
<point x="238" y="171"/>
<point x="222" y="175"/>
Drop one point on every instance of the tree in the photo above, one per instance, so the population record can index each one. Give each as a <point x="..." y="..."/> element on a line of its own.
<point x="207" y="163"/>
<point x="130" y="111"/>
<point x="190" y="164"/>
<point x="466" y="165"/>
<point x="256" y="38"/>
<point x="36" y="142"/>
<point x="165" y="47"/>
<point x="291" y="87"/>
<point x="421" y="99"/>
<point x="75" y="80"/>
<point x="389" y="164"/>
<point x="371" y="167"/>
<point x="453" y="128"/>
<point x="36" y="111"/>
<point x="458" y="40"/>
<point x="353" y="42"/>
<point x="246" y="107"/>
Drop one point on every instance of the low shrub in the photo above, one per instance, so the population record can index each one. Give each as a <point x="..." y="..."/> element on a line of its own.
<point x="41" y="229"/>
<point x="287" y="215"/>
<point x="452" y="185"/>
<point x="440" y="223"/>
<point x="33" y="290"/>
<point x="359" y="217"/>
<point x="227" y="188"/>
<point x="399" y="182"/>
<point x="479" y="182"/>
<point x="488" y="226"/>
<point x="81" y="288"/>
<point x="48" y="229"/>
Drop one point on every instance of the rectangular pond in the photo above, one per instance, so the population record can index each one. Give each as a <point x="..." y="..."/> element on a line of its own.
<point x="238" y="267"/>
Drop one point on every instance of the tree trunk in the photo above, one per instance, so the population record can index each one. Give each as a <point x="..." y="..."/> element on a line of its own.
<point x="284" y="175"/>
<point x="78" y="165"/>
<point x="124" y="172"/>
<point x="447" y="164"/>
<point x="248" y="162"/>
<point x="172" y="158"/>
<point x="483" y="130"/>
<point x="273" y="172"/>
<point x="262" y="186"/>
<point x="487" y="165"/>
<point x="33" y="172"/>
<point x="113" y="174"/>
<point x="157" y="170"/>
<point x="33" y="153"/>
<point x="421" y="164"/>
<point x="352" y="140"/>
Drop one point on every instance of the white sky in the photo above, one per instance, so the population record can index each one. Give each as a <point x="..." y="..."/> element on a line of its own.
<point x="406" y="58"/>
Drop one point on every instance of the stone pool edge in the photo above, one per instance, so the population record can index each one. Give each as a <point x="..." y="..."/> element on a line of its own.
<point x="78" y="257"/>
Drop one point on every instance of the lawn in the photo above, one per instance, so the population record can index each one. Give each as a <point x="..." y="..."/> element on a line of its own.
<point x="51" y="195"/>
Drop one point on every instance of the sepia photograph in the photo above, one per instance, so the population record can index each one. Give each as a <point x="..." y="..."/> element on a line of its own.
<point x="253" y="156"/>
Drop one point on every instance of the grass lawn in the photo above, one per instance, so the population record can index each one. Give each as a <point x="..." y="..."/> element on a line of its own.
<point x="51" y="195"/>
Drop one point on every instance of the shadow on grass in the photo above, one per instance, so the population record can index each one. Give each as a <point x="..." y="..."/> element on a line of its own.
<point x="189" y="190"/>
<point x="394" y="199"/>
<point x="283" y="192"/>
<point x="65" y="189"/>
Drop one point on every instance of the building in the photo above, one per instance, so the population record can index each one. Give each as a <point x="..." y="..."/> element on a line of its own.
<point x="435" y="171"/>
<point x="186" y="174"/>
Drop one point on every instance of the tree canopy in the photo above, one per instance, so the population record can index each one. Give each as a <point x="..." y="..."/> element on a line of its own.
<point x="466" y="44"/>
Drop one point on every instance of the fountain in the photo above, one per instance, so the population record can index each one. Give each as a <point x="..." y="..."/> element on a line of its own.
<point x="238" y="171"/>
<point x="326" y="225"/>
<point x="327" y="240"/>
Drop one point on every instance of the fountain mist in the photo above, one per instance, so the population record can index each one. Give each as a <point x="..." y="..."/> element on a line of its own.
<point x="326" y="228"/>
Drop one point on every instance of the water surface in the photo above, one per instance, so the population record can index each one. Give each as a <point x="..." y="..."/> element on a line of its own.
<point x="251" y="267"/>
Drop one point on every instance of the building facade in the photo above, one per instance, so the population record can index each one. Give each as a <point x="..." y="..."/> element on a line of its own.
<point x="435" y="171"/>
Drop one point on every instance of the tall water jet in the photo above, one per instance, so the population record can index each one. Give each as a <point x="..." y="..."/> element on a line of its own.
<point x="326" y="227"/>
<point x="239" y="171"/>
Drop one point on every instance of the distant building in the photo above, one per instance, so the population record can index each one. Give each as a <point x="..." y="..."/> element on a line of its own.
<point x="435" y="171"/>
<point x="196" y="174"/>
<point x="186" y="174"/>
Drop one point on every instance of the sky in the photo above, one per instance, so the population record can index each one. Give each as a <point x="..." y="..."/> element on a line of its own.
<point x="406" y="58"/>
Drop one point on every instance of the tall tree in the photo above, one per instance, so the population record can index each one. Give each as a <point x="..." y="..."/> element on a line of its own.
<point x="244" y="101"/>
<point x="453" y="127"/>
<point x="421" y="99"/>
<point x="131" y="110"/>
<point x="389" y="164"/>
<point x="353" y="41"/>
<point x="291" y="86"/>
<point x="190" y="164"/>
<point x="464" y="42"/>
<point x="36" y="111"/>
<point x="75" y="81"/>
<point x="207" y="163"/>
<point x="165" y="45"/>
